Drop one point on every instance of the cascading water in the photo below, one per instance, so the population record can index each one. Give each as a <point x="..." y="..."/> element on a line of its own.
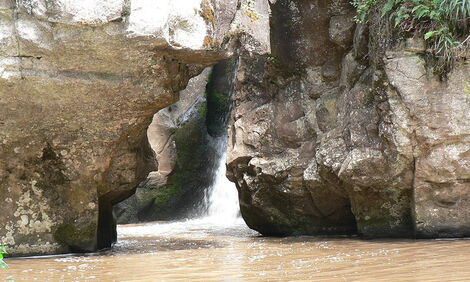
<point x="221" y="206"/>
<point x="221" y="199"/>
<point x="219" y="212"/>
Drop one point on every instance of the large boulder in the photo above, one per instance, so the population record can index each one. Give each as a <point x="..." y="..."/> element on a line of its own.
<point x="277" y="126"/>
<point x="328" y="137"/>
<point x="79" y="84"/>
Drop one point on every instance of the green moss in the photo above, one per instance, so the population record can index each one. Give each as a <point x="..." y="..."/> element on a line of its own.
<point x="191" y="151"/>
<point x="3" y="251"/>
<point x="218" y="97"/>
<point x="164" y="193"/>
<point x="173" y="130"/>
<point x="70" y="235"/>
<point x="202" y="110"/>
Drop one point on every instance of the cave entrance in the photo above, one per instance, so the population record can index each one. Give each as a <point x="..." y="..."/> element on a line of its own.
<point x="189" y="141"/>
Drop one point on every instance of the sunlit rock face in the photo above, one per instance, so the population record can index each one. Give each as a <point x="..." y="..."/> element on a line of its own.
<point x="329" y="137"/>
<point x="79" y="84"/>
<point x="432" y="123"/>
<point x="278" y="121"/>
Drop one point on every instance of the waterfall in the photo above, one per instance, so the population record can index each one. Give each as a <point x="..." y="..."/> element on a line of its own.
<point x="221" y="198"/>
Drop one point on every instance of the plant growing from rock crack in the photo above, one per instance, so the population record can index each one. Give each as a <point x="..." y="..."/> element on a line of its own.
<point x="444" y="24"/>
<point x="3" y="250"/>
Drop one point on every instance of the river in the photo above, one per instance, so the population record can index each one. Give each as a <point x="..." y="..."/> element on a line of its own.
<point x="220" y="247"/>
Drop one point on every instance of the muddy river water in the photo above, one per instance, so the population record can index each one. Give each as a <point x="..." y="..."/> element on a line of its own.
<point x="220" y="247"/>
<point x="204" y="251"/>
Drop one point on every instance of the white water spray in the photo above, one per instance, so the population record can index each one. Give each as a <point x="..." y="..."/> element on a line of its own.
<point x="221" y="205"/>
<point x="222" y="198"/>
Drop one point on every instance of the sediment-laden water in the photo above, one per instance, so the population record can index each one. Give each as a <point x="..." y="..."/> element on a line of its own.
<point x="198" y="250"/>
<point x="220" y="247"/>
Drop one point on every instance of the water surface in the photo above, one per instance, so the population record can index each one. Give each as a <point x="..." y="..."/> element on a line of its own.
<point x="198" y="250"/>
<point x="220" y="247"/>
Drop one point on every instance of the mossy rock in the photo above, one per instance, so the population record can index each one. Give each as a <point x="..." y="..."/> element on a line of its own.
<point x="218" y="95"/>
<point x="77" y="239"/>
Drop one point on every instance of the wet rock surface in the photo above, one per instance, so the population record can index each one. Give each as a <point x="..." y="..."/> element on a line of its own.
<point x="184" y="137"/>
<point x="186" y="160"/>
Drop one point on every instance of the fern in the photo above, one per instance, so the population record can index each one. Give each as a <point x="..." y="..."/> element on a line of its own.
<point x="444" y="24"/>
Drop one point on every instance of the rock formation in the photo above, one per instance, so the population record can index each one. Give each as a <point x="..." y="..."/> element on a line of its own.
<point x="178" y="136"/>
<point x="331" y="136"/>
<point x="184" y="137"/>
<point x="79" y="84"/>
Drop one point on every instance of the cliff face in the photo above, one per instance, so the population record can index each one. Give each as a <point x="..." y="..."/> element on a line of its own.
<point x="79" y="84"/>
<point x="329" y="137"/>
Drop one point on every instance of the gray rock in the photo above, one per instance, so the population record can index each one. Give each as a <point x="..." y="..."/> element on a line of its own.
<point x="439" y="123"/>
<point x="377" y="146"/>
<point x="342" y="30"/>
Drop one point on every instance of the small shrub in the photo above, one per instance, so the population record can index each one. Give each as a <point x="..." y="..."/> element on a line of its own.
<point x="3" y="251"/>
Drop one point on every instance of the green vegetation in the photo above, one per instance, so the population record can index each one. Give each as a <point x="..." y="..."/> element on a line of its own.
<point x="218" y="97"/>
<point x="163" y="194"/>
<point x="192" y="149"/>
<point x="70" y="234"/>
<point x="3" y="251"/>
<point x="444" y="24"/>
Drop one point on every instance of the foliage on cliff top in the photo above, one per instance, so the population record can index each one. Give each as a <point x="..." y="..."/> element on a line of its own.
<point x="444" y="24"/>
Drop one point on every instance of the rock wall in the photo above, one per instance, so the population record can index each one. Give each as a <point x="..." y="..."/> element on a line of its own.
<point x="184" y="139"/>
<point x="178" y="136"/>
<point x="79" y="84"/>
<point x="331" y="137"/>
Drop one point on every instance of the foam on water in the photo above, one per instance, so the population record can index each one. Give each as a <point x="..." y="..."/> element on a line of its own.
<point x="222" y="210"/>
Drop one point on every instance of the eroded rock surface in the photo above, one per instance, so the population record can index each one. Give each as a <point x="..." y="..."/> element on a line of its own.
<point x="327" y="136"/>
<point x="186" y="160"/>
<point x="433" y="119"/>
<point x="79" y="84"/>
<point x="326" y="140"/>
<point x="185" y="138"/>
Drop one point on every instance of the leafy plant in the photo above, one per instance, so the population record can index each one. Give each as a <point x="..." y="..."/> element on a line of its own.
<point x="3" y="250"/>
<point x="363" y="7"/>
<point x="443" y="24"/>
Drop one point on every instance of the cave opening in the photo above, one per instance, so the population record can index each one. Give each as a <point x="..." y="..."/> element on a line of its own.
<point x="189" y="142"/>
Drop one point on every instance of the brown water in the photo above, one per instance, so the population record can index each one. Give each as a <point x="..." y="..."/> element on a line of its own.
<point x="198" y="250"/>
